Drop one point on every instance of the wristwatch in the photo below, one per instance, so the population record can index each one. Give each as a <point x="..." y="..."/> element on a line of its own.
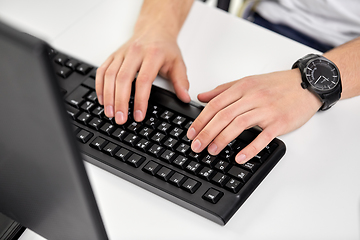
<point x="321" y="77"/>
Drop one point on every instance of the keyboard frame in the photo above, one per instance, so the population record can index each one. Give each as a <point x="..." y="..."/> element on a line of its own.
<point x="219" y="212"/>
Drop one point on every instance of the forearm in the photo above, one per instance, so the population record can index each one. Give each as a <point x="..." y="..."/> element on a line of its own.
<point x="166" y="14"/>
<point x="347" y="59"/>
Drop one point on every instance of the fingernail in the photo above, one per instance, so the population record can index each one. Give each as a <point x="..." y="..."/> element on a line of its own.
<point x="119" y="117"/>
<point x="212" y="148"/>
<point x="191" y="133"/>
<point x="196" y="145"/>
<point x="240" y="158"/>
<point x="100" y="99"/>
<point x="138" y="115"/>
<point x="109" y="111"/>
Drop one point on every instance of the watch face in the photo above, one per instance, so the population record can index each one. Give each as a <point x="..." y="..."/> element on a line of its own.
<point x="322" y="74"/>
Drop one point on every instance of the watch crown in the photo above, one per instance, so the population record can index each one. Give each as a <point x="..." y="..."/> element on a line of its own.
<point x="304" y="85"/>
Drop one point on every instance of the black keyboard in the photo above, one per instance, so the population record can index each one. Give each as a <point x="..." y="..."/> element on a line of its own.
<point x="155" y="154"/>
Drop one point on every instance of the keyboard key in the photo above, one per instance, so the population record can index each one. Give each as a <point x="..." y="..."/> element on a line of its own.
<point x="92" y="97"/>
<point x="143" y="144"/>
<point x="73" y="112"/>
<point x="98" y="143"/>
<point x="164" y="173"/>
<point x="261" y="156"/>
<point x="146" y="132"/>
<point x="191" y="185"/>
<point x="134" y="127"/>
<point x="209" y="160"/>
<point x="83" y="68"/>
<point x="89" y="82"/>
<point x="64" y="72"/>
<point x="60" y="59"/>
<point x="151" y="167"/>
<point x="107" y="128"/>
<point x="176" y="132"/>
<point x="98" y="111"/>
<point x="206" y="173"/>
<point x="166" y="115"/>
<point x="135" y="160"/>
<point x="164" y="127"/>
<point x="158" y="137"/>
<point x="212" y="195"/>
<point x="84" y="118"/>
<point x="193" y="167"/>
<point x="76" y="98"/>
<point x="154" y="110"/>
<point x="220" y="179"/>
<point x="183" y="148"/>
<point x="250" y="166"/>
<point x="156" y="150"/>
<point x="168" y="156"/>
<point x="152" y="122"/>
<point x="111" y="148"/>
<point x="84" y="136"/>
<point x="131" y="139"/>
<point x="177" y="179"/>
<point x="247" y="136"/>
<point x="227" y="155"/>
<point x="87" y="106"/>
<point x="196" y="156"/>
<point x="188" y="125"/>
<point x="239" y="173"/>
<point x="170" y="143"/>
<point x="119" y="134"/>
<point x="185" y="139"/>
<point x="96" y="123"/>
<point x="123" y="154"/>
<point x="233" y="185"/>
<point x="179" y="121"/>
<point x="72" y="63"/>
<point x="180" y="161"/>
<point x="222" y="166"/>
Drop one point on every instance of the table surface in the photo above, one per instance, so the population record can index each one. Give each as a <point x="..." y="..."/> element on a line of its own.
<point x="313" y="192"/>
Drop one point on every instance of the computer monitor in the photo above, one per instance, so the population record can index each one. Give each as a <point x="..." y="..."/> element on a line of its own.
<point x="43" y="181"/>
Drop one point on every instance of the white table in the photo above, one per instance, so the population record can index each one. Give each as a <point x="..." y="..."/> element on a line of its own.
<point x="314" y="191"/>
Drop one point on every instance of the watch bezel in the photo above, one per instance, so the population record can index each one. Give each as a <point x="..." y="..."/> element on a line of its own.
<point x="309" y="81"/>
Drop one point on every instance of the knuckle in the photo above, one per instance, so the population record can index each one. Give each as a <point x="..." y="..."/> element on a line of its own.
<point x="143" y="79"/>
<point x="214" y="105"/>
<point x="225" y="115"/>
<point x="110" y="73"/>
<point x="135" y="46"/>
<point x="242" y="121"/>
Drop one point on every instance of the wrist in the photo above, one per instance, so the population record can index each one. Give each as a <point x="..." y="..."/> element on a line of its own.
<point x="163" y="15"/>
<point x="307" y="97"/>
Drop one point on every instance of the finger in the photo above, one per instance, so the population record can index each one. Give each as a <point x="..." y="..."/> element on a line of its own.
<point x="215" y="105"/>
<point x="207" y="96"/>
<point x="148" y="71"/>
<point x="180" y="80"/>
<point x="219" y="123"/>
<point x="237" y="126"/>
<point x="109" y="86"/>
<point x="124" y="79"/>
<point x="258" y="144"/>
<point x="99" y="79"/>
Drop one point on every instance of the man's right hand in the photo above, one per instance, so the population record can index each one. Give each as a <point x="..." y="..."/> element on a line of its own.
<point x="151" y="50"/>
